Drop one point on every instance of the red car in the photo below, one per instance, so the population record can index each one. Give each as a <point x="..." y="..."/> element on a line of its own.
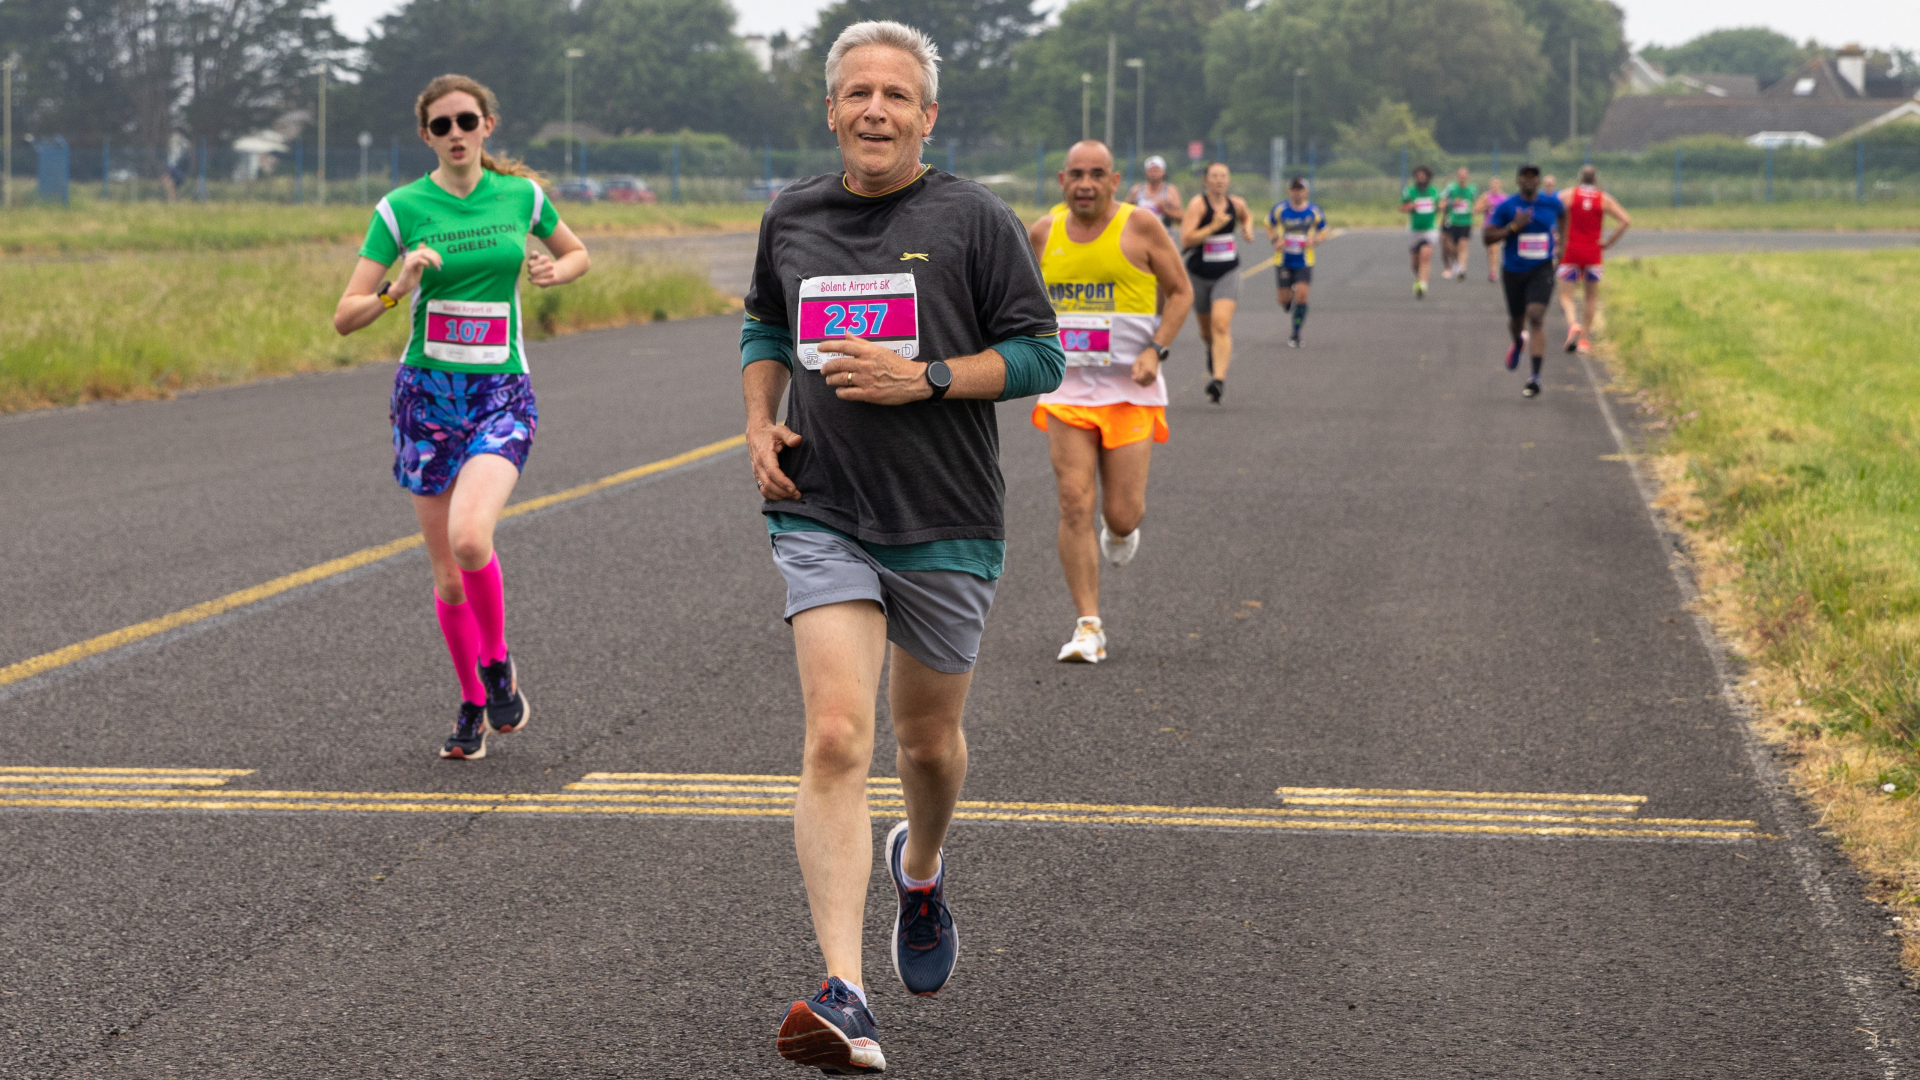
<point x="628" y="189"/>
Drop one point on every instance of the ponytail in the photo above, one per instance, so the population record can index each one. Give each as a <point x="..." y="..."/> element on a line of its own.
<point x="489" y="107"/>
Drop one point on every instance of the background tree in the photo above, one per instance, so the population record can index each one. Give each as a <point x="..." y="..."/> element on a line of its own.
<point x="1168" y="34"/>
<point x="513" y="46"/>
<point x="668" y="65"/>
<point x="1473" y="65"/>
<point x="1754" y="50"/>
<point x="1600" y="28"/>
<point x="1388" y="128"/>
<point x="244" y="62"/>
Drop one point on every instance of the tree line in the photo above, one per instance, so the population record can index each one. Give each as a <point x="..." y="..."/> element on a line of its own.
<point x="1365" y="73"/>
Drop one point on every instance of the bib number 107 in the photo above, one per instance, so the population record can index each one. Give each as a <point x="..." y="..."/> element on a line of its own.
<point x="854" y="320"/>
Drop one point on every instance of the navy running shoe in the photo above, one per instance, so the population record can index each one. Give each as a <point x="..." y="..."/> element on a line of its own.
<point x="507" y="708"/>
<point x="469" y="739"/>
<point x="925" y="946"/>
<point x="833" y="1033"/>
<point x="1513" y="357"/>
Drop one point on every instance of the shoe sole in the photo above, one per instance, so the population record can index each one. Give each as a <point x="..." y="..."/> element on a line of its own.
<point x="1078" y="657"/>
<point x="805" y="1039"/>
<point x="458" y="754"/>
<point x="893" y="950"/>
<point x="526" y="714"/>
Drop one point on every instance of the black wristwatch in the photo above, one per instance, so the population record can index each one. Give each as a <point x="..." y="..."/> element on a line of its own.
<point x="1163" y="350"/>
<point x="940" y="377"/>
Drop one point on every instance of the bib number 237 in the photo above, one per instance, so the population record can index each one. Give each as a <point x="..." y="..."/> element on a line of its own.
<point x="881" y="308"/>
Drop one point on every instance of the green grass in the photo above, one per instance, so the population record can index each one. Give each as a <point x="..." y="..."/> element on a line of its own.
<point x="137" y="326"/>
<point x="94" y="226"/>
<point x="1796" y="400"/>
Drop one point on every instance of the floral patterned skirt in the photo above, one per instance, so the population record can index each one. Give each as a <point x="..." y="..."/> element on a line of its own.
<point x="442" y="418"/>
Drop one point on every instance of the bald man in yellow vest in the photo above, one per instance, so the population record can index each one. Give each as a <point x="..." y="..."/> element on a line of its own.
<point x="1103" y="262"/>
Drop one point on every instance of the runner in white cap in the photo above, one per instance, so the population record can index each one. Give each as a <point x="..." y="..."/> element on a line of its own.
<point x="1159" y="196"/>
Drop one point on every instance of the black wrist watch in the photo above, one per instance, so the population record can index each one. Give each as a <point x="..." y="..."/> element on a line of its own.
<point x="940" y="377"/>
<point x="1163" y="350"/>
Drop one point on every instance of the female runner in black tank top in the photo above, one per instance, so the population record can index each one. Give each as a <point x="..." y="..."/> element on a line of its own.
<point x="1213" y="262"/>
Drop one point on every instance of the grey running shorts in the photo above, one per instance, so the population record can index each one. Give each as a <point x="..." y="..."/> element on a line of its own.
<point x="937" y="616"/>
<point x="1207" y="290"/>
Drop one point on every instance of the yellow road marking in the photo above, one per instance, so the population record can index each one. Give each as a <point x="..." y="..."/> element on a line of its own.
<point x="1271" y="259"/>
<point x="738" y="777"/>
<point x="46" y="662"/>
<point x="1488" y="804"/>
<point x="131" y="772"/>
<point x="37" y="778"/>
<point x="1428" y="793"/>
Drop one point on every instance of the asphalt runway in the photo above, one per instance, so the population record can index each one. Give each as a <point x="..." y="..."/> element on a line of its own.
<point x="1551" y="849"/>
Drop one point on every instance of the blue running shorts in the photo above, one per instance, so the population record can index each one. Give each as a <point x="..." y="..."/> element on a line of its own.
<point x="442" y="418"/>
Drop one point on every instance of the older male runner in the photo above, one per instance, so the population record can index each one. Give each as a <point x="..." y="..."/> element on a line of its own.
<point x="1102" y="261"/>
<point x="1587" y="210"/>
<point x="911" y="302"/>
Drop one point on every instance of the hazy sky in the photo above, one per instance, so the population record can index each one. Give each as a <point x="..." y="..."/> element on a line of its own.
<point x="1666" y="22"/>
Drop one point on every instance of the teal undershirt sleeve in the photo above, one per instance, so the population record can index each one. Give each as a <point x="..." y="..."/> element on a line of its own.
<point x="758" y="341"/>
<point x="1035" y="365"/>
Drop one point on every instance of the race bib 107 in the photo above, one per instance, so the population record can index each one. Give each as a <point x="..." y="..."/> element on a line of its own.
<point x="468" y="332"/>
<point x="880" y="308"/>
<point x="1535" y="245"/>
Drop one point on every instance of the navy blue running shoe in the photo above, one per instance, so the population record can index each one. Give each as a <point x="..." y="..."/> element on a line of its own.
<point x="1513" y="357"/>
<point x="833" y="1033"/>
<point x="507" y="708"/>
<point x="469" y="739"/>
<point x="925" y="946"/>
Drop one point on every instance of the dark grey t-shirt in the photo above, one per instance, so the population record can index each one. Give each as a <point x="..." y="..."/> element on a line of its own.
<point x="938" y="269"/>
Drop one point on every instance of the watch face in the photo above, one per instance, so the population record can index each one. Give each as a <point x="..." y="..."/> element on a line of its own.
<point x="939" y="374"/>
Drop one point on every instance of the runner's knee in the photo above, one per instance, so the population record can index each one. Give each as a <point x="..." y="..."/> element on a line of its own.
<point x="838" y="742"/>
<point x="472" y="548"/>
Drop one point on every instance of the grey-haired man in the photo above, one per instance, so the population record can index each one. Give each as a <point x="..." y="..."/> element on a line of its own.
<point x="898" y="303"/>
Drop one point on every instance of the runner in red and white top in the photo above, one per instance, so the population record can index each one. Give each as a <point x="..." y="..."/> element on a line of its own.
<point x="1587" y="208"/>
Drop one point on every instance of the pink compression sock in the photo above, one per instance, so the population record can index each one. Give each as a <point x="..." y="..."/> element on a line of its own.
<point x="489" y="604"/>
<point x="463" y="644"/>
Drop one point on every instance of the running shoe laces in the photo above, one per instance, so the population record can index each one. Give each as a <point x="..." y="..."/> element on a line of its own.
<point x="469" y="739"/>
<point x="507" y="708"/>
<point x="834" y="1032"/>
<point x="1088" y="644"/>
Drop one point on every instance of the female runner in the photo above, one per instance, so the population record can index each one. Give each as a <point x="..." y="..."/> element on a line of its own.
<point x="1483" y="208"/>
<point x="462" y="409"/>
<point x="1213" y="263"/>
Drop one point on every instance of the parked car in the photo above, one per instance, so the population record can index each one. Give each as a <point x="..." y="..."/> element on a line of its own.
<point x="629" y="189"/>
<point x="581" y="189"/>
<point x="764" y="191"/>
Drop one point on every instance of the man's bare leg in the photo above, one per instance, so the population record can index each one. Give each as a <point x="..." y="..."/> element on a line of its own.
<point x="932" y="755"/>
<point x="840" y="648"/>
<point x="1076" y="465"/>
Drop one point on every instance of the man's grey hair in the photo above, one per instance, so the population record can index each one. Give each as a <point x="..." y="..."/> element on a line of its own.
<point x="894" y="36"/>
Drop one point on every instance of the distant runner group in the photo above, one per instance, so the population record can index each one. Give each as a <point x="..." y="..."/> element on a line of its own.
<point x="891" y="306"/>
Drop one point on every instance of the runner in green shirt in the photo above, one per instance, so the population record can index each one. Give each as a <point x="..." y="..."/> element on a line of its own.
<point x="1456" y="204"/>
<point x="462" y="407"/>
<point x="1421" y="203"/>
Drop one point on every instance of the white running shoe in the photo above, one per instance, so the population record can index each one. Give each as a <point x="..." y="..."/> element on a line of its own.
<point x="1118" y="552"/>
<point x="1089" y="644"/>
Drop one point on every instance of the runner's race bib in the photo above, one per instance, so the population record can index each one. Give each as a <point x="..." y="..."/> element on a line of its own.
<point x="880" y="308"/>
<point x="1423" y="205"/>
<point x="1535" y="245"/>
<point x="1218" y="249"/>
<point x="1462" y="206"/>
<point x="1294" y="243"/>
<point x="468" y="332"/>
<point x="1087" y="339"/>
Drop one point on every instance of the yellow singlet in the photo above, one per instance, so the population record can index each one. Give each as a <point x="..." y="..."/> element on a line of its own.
<point x="1105" y="310"/>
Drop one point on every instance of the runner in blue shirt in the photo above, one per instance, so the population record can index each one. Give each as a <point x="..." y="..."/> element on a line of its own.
<point x="1296" y="228"/>
<point x="1533" y="227"/>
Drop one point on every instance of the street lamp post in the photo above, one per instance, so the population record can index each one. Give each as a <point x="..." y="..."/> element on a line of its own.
<point x="572" y="55"/>
<point x="1086" y="105"/>
<point x="1297" y="72"/>
<point x="1113" y="51"/>
<point x="1139" y="67"/>
<point x="366" y="140"/>
<point x="321" y="173"/>
<point x="6" y="109"/>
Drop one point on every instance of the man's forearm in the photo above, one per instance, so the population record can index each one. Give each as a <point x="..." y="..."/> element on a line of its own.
<point x="763" y="383"/>
<point x="982" y="376"/>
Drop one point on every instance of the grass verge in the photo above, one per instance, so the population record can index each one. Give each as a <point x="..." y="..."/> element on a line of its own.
<point x="143" y="326"/>
<point x="1789" y="407"/>
<point x="92" y="226"/>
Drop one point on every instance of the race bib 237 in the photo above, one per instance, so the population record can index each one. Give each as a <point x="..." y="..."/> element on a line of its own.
<point x="880" y="308"/>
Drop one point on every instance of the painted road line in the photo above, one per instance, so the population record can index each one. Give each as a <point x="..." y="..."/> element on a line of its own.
<point x="1275" y="257"/>
<point x="1431" y="793"/>
<point x="723" y="795"/>
<point x="128" y="772"/>
<point x="59" y="658"/>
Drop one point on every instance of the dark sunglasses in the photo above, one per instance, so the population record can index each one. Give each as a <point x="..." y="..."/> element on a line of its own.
<point x="440" y="125"/>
